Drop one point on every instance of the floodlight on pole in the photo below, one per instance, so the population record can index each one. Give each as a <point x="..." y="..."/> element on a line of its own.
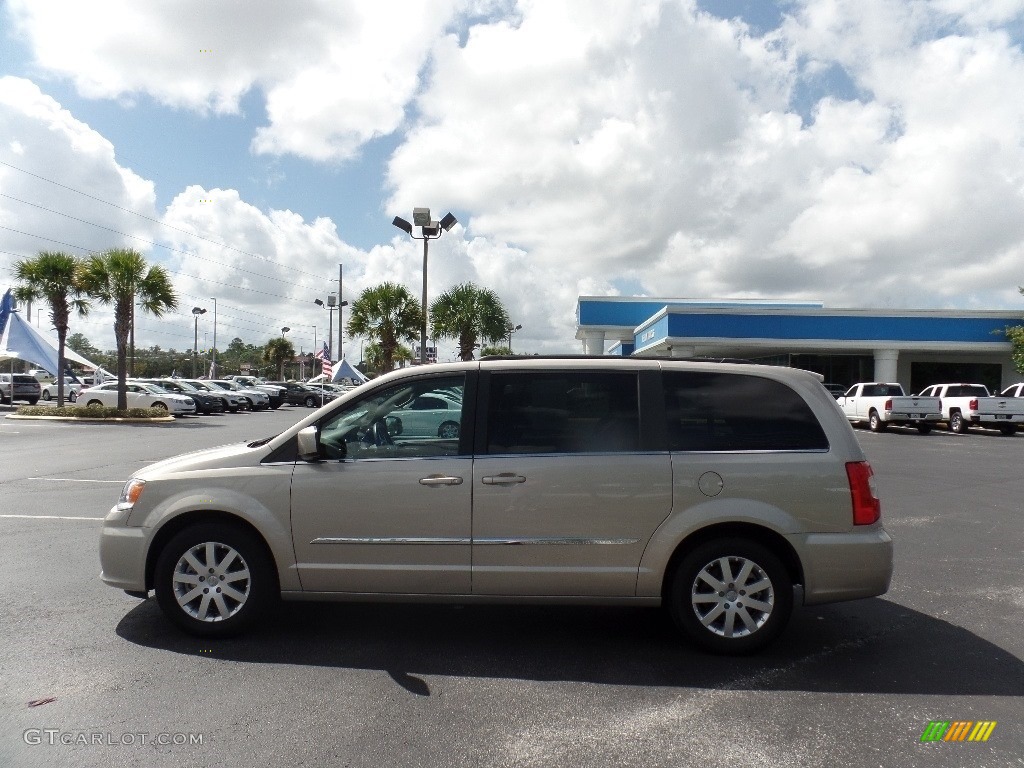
<point x="196" y="312"/>
<point x="429" y="230"/>
<point x="512" y="329"/>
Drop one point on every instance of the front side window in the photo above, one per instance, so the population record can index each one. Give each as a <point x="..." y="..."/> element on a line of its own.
<point x="563" y="412"/>
<point x="388" y="424"/>
<point x="734" y="412"/>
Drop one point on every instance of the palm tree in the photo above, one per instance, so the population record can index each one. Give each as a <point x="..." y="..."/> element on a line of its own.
<point x="279" y="351"/>
<point x="387" y="314"/>
<point x="55" y="277"/>
<point x="469" y="313"/>
<point x="119" y="277"/>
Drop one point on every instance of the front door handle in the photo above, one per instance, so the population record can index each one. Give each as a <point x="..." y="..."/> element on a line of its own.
<point x="440" y="480"/>
<point x="505" y="478"/>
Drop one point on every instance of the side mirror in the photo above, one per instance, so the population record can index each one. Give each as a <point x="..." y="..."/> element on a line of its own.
<point x="309" y="444"/>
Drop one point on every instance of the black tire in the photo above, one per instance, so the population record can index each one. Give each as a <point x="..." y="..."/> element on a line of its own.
<point x="46" y="395"/>
<point x="161" y="406"/>
<point x="248" y="575"/>
<point x="957" y="423"/>
<point x="449" y="430"/>
<point x="91" y="403"/>
<point x="1008" y="430"/>
<point x="924" y="429"/>
<point x="311" y="402"/>
<point x="687" y="591"/>
<point x="72" y="396"/>
<point x="32" y="400"/>
<point x="875" y="422"/>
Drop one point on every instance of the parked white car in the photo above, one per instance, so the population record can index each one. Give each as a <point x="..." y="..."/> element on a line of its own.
<point x="71" y="390"/>
<point x="433" y="414"/>
<point x="139" y="396"/>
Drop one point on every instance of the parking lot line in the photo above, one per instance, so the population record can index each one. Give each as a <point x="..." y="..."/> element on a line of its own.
<point x="52" y="517"/>
<point x="71" y="480"/>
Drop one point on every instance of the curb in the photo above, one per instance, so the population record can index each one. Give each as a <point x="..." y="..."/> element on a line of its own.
<point x="116" y="419"/>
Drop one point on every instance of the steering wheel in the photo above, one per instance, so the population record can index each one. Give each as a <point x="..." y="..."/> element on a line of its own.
<point x="377" y="434"/>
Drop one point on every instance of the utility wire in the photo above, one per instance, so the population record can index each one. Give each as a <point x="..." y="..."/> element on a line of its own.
<point x="156" y="221"/>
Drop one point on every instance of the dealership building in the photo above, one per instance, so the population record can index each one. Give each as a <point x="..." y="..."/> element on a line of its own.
<point x="914" y="347"/>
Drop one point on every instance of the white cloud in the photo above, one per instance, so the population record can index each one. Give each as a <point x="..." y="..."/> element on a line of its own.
<point x="864" y="153"/>
<point x="335" y="73"/>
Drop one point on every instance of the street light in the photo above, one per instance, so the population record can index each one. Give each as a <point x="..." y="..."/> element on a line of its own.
<point x="512" y="329"/>
<point x="284" y="331"/>
<point x="429" y="230"/>
<point x="332" y="304"/>
<point x="196" y="312"/>
<point x="213" y="349"/>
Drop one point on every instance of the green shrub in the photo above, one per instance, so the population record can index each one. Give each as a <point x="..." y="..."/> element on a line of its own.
<point x="91" y="412"/>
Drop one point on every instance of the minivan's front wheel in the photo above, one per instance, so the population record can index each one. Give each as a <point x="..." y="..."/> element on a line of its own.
<point x="213" y="579"/>
<point x="731" y="596"/>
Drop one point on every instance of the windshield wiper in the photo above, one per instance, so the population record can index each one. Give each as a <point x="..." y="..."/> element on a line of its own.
<point x="261" y="441"/>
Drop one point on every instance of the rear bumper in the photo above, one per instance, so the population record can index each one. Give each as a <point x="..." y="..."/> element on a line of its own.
<point x="844" y="566"/>
<point x="996" y="418"/>
<point x="902" y="417"/>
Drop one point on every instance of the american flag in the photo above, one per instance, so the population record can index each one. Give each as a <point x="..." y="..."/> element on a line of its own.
<point x="325" y="355"/>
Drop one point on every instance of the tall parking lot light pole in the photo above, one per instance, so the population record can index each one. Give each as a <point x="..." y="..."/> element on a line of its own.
<point x="213" y="349"/>
<point x="512" y="329"/>
<point x="196" y="312"/>
<point x="429" y="230"/>
<point x="331" y="306"/>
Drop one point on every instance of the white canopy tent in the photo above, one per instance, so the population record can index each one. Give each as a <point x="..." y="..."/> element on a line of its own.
<point x="23" y="342"/>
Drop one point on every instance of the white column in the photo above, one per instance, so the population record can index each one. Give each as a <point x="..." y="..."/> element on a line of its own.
<point x="885" y="364"/>
<point x="593" y="342"/>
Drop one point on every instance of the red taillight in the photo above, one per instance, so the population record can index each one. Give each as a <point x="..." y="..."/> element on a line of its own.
<point x="973" y="405"/>
<point x="888" y="405"/>
<point x="867" y="509"/>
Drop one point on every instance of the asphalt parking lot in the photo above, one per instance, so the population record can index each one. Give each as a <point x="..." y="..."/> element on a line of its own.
<point x="852" y="684"/>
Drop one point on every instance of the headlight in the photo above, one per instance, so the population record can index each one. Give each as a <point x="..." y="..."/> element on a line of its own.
<point x="130" y="494"/>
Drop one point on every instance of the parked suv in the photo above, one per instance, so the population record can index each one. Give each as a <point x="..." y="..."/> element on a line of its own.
<point x="26" y="388"/>
<point x="711" y="489"/>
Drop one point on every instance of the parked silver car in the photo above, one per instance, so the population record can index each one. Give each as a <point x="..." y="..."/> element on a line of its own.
<point x="711" y="489"/>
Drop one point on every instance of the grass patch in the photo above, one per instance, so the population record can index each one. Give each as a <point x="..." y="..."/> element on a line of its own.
<point x="91" y="412"/>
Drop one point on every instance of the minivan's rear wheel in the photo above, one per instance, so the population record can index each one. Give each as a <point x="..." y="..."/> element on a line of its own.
<point x="731" y="596"/>
<point x="213" y="579"/>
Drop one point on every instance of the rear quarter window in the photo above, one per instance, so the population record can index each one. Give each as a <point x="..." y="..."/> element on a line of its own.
<point x="736" y="412"/>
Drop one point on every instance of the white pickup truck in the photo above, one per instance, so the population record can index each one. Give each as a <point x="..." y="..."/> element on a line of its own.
<point x="880" y="404"/>
<point x="967" y="404"/>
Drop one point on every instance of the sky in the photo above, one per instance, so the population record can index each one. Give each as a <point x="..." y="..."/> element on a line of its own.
<point x="863" y="153"/>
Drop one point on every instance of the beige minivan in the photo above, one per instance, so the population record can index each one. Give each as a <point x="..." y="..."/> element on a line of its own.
<point x="709" y="488"/>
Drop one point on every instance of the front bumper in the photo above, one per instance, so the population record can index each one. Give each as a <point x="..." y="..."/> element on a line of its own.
<point x="123" y="554"/>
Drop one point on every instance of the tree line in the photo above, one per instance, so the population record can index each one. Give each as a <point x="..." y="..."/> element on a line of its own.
<point x="387" y="315"/>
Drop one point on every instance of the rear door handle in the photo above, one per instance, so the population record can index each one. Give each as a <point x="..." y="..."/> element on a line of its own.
<point x="505" y="478"/>
<point x="440" y="480"/>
